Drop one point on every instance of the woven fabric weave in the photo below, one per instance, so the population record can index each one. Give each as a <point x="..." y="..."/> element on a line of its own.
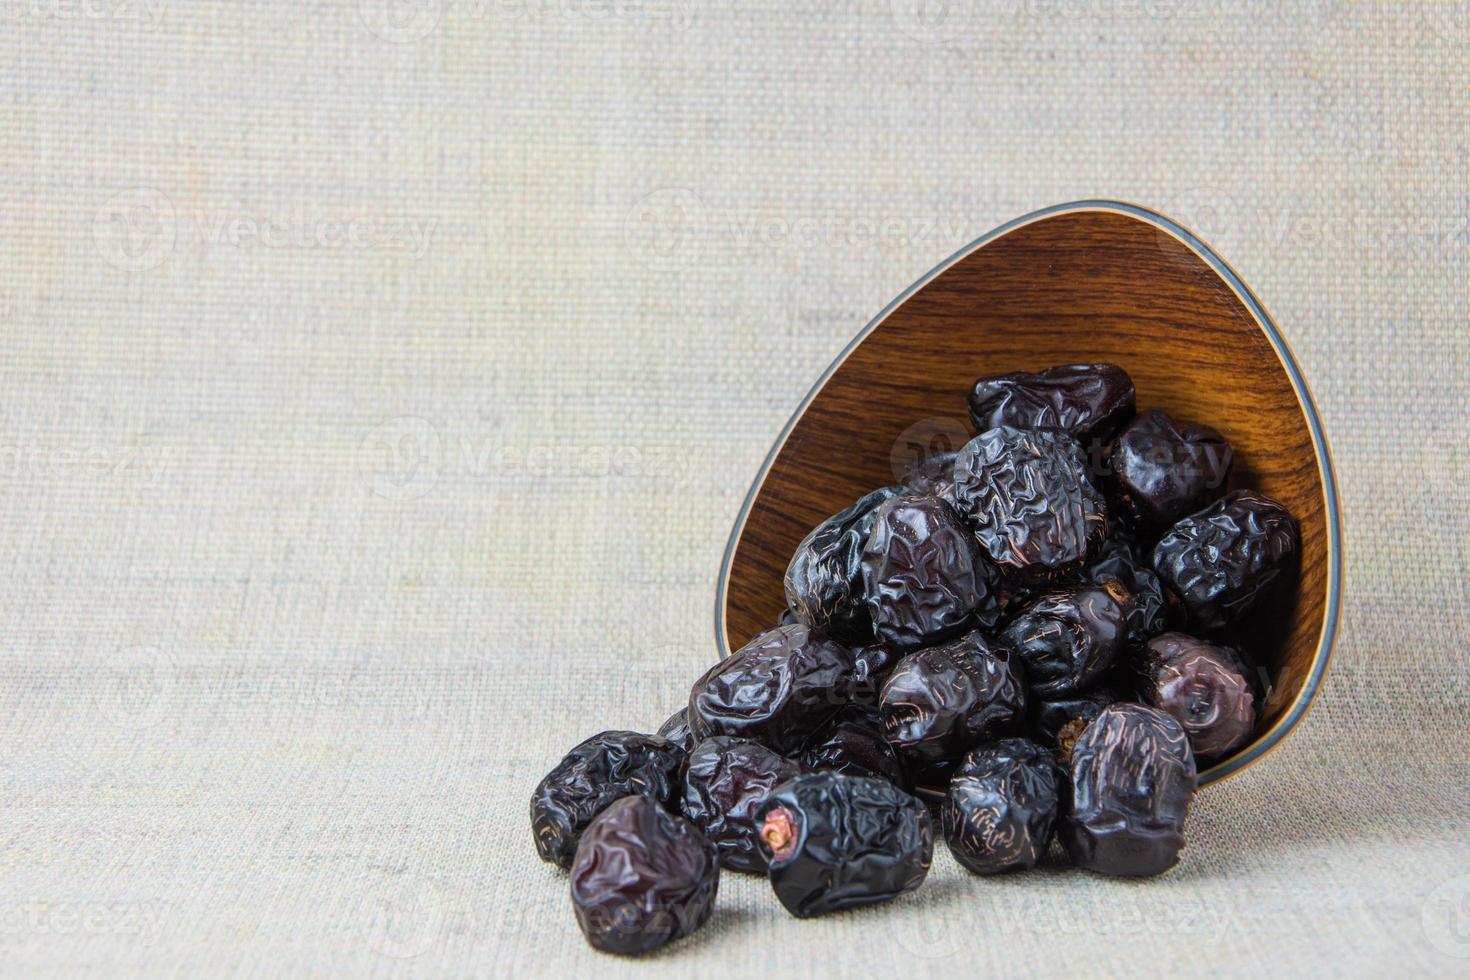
<point x="380" y="379"/>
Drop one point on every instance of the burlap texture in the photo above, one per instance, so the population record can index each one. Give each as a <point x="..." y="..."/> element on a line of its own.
<point x="379" y="382"/>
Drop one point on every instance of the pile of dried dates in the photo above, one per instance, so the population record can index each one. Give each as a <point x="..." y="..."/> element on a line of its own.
<point x="1033" y="637"/>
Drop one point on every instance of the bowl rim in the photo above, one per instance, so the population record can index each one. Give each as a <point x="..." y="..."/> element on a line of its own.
<point x="1293" y="716"/>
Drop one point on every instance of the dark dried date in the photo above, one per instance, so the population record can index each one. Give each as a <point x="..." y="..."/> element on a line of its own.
<point x="874" y="663"/>
<point x="933" y="476"/>
<point x="1090" y="401"/>
<point x="1035" y="512"/>
<point x="1164" y="472"/>
<point x="1068" y="639"/>
<point x="1206" y="688"/>
<point x="601" y="770"/>
<point x="923" y="576"/>
<point x="1002" y="806"/>
<point x="641" y="878"/>
<point x="1132" y="777"/>
<point x="777" y="689"/>
<point x="941" y="702"/>
<point x="1147" y="612"/>
<point x="676" y="729"/>
<point x="1220" y="562"/>
<point x="854" y="744"/>
<point x="824" y="581"/>
<point x="836" y="842"/>
<point x="1047" y="719"/>
<point x="725" y="781"/>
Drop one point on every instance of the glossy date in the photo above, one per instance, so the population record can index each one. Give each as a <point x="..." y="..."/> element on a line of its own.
<point x="599" y="771"/>
<point x="725" y="781"/>
<point x="642" y="877"/>
<point x="1027" y="494"/>
<point x="854" y="744"/>
<point x="676" y="729"/>
<point x="941" y="702"/>
<point x="1046" y="719"/>
<point x="1132" y="778"/>
<point x="1221" y="562"/>
<point x="1164" y="472"/>
<point x="824" y="580"/>
<point x="1147" y="611"/>
<point x="1001" y="806"/>
<point x="1067" y="639"/>
<point x="1206" y="688"/>
<point x="1089" y="401"/>
<point x="836" y="842"/>
<point x="777" y="689"/>
<point x="923" y="575"/>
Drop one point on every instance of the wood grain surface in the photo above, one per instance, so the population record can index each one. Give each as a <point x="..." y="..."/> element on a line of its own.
<point x="1068" y="288"/>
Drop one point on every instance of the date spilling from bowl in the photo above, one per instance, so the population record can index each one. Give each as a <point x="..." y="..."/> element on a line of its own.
<point x="1020" y="643"/>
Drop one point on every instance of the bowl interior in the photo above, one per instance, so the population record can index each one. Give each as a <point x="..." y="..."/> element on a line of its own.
<point x="1094" y="281"/>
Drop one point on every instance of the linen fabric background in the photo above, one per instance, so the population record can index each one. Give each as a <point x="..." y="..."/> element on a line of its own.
<point x="379" y="382"/>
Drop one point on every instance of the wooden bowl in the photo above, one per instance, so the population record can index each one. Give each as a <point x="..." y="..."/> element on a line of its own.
<point x="1082" y="282"/>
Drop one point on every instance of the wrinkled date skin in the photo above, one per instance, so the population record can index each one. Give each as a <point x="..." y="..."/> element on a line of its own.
<point x="1220" y="562"/>
<point x="854" y="744"/>
<point x="1048" y="718"/>
<point x="836" y="842"/>
<point x="824" y="581"/>
<point x="603" y="769"/>
<point x="1036" y="514"/>
<point x="1164" y="473"/>
<point x="873" y="664"/>
<point x="933" y="476"/>
<point x="1206" y="688"/>
<point x="1132" y="777"/>
<point x="1090" y="401"/>
<point x="941" y="702"/>
<point x="642" y="877"/>
<point x="924" y="578"/>
<point x="1067" y="639"/>
<point x="1148" y="609"/>
<point x="1002" y="806"/>
<point x="777" y="689"/>
<point x="676" y="729"/>
<point x="725" y="781"/>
